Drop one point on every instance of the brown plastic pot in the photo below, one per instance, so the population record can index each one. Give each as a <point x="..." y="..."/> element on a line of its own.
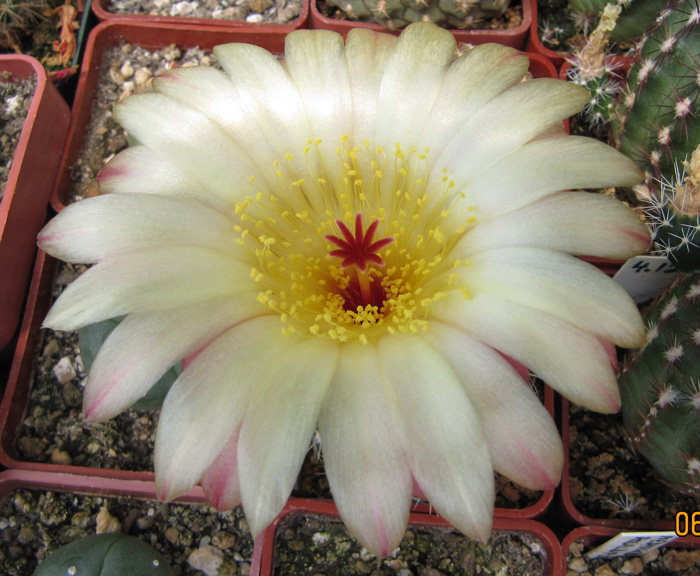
<point x="147" y="35"/>
<point x="100" y="8"/>
<point x="514" y="38"/>
<point x="264" y="554"/>
<point x="24" y="205"/>
<point x="534" y="44"/>
<point x="593" y="536"/>
<point x="571" y="514"/>
<point x="164" y="527"/>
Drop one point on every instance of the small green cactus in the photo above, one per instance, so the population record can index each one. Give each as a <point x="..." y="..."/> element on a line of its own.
<point x="397" y="14"/>
<point x="660" y="387"/>
<point x="595" y="70"/>
<point x="105" y="555"/>
<point x="674" y="214"/>
<point x="658" y="126"/>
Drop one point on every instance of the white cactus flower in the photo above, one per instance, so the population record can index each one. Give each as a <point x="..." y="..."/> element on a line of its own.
<point x="355" y="240"/>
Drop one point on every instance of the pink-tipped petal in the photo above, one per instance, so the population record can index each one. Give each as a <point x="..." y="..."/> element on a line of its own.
<point x="448" y="451"/>
<point x="148" y="280"/>
<point x="364" y="452"/>
<point x="579" y="223"/>
<point x="207" y="402"/>
<point x="522" y="438"/>
<point x="570" y="360"/>
<point x="220" y="481"/>
<point x="139" y="351"/>
<point x="278" y="426"/>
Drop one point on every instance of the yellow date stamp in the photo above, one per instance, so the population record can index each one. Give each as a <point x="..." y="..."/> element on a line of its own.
<point x="688" y="524"/>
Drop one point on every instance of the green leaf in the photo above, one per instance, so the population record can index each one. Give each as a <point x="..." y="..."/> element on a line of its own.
<point x="91" y="339"/>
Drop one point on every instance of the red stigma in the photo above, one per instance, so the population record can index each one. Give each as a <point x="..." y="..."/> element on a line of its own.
<point x="359" y="249"/>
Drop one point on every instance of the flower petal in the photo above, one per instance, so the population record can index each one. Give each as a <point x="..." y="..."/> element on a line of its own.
<point x="139" y="170"/>
<point x="366" y="52"/>
<point x="507" y="122"/>
<point x="363" y="452"/>
<point x="448" y="451"/>
<point x="264" y="85"/>
<point x="91" y="230"/>
<point x="220" y="481"/>
<point x="412" y="79"/>
<point x="208" y="401"/>
<point x="212" y="93"/>
<point x="278" y="426"/>
<point x="571" y="162"/>
<point x="470" y="82"/>
<point x="522" y="438"/>
<point x="560" y="285"/>
<point x="190" y="140"/>
<point x="579" y="223"/>
<point x="148" y="280"/>
<point x="316" y="63"/>
<point x="570" y="360"/>
<point x="140" y="350"/>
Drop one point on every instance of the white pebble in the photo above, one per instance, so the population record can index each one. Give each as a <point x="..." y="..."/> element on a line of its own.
<point x="208" y="559"/>
<point x="142" y="76"/>
<point x="183" y="8"/>
<point x="64" y="370"/>
<point x="127" y="70"/>
<point x="13" y="103"/>
<point x="254" y="18"/>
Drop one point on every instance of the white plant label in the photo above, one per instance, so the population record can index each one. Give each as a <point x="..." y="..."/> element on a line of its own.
<point x="628" y="543"/>
<point x="645" y="277"/>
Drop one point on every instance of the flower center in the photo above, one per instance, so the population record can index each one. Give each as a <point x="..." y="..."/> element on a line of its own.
<point x="357" y="251"/>
<point x="325" y="280"/>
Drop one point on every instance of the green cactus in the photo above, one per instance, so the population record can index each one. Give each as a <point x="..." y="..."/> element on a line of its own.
<point x="105" y="555"/>
<point x="565" y="25"/>
<point x="660" y="387"/>
<point x="658" y="125"/>
<point x="636" y="16"/>
<point x="397" y="14"/>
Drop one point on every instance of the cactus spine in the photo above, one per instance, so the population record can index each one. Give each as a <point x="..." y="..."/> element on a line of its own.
<point x="660" y="387"/>
<point x="397" y="14"/>
<point x="659" y="127"/>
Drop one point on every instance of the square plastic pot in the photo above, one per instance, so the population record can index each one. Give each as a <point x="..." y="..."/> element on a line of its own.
<point x="24" y="204"/>
<point x="515" y="38"/>
<point x="186" y="531"/>
<point x="265" y="558"/>
<point x="534" y="44"/>
<point x="101" y="10"/>
<point x="591" y="537"/>
<point x="569" y="505"/>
